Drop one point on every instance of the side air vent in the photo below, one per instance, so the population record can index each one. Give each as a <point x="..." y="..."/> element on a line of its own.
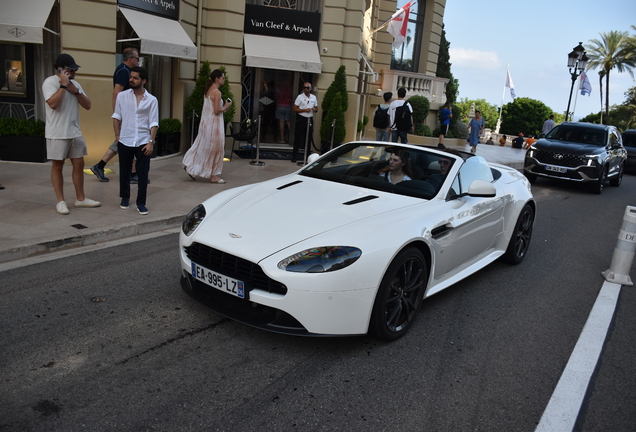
<point x="361" y="200"/>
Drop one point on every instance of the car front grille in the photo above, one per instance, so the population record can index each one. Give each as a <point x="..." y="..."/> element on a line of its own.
<point x="234" y="267"/>
<point x="567" y="160"/>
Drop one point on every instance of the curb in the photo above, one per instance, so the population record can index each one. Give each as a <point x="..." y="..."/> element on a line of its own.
<point x="91" y="237"/>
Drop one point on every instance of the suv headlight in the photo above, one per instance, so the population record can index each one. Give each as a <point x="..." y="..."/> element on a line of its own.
<point x="193" y="219"/>
<point x="321" y="259"/>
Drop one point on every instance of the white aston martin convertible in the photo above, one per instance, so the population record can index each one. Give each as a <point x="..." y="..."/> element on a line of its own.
<point x="342" y="247"/>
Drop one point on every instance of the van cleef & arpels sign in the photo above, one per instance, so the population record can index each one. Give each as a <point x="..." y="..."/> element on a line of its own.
<point x="292" y="24"/>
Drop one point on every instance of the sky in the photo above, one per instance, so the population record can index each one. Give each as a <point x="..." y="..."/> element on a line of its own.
<point x="533" y="38"/>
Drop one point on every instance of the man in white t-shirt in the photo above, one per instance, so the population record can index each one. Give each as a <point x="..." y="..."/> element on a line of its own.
<point x="396" y="131"/>
<point x="305" y="106"/>
<point x="64" y="96"/>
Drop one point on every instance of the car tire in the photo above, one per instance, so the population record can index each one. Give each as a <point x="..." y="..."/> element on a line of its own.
<point x="597" y="187"/>
<point x="400" y="295"/>
<point x="521" y="235"/>
<point x="618" y="179"/>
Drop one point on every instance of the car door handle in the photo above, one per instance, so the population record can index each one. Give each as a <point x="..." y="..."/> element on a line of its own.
<point x="440" y="231"/>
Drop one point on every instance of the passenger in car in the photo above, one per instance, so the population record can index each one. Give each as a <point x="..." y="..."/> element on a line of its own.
<point x="399" y="168"/>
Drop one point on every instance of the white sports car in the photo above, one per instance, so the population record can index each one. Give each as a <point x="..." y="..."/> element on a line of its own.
<point x="342" y="247"/>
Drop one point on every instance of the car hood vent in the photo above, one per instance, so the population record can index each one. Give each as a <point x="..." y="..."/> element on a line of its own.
<point x="361" y="200"/>
<point x="289" y="184"/>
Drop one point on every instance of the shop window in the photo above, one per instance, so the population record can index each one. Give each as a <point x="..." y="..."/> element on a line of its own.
<point x="13" y="78"/>
<point x="301" y="5"/>
<point x="407" y="57"/>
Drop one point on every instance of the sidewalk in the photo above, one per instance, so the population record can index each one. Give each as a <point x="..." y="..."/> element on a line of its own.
<point x="29" y="224"/>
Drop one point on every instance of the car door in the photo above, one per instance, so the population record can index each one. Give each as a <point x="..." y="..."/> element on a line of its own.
<point x="475" y="223"/>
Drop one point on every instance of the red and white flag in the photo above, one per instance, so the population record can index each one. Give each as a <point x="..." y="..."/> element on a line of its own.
<point x="399" y="23"/>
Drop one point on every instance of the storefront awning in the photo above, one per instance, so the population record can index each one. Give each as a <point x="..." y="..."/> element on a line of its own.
<point x="23" y="20"/>
<point x="281" y="53"/>
<point x="160" y="36"/>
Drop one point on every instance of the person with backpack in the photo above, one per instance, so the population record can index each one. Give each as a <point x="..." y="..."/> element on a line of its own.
<point x="401" y="115"/>
<point x="381" y="119"/>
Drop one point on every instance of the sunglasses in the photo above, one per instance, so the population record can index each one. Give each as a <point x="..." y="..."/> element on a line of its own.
<point x="443" y="162"/>
<point x="307" y="87"/>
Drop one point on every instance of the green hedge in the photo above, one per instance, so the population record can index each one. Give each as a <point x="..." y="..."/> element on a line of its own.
<point x="21" y="127"/>
<point x="169" y="126"/>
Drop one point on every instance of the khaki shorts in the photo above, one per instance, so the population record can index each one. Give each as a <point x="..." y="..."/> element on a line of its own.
<point x="60" y="149"/>
<point x="113" y="146"/>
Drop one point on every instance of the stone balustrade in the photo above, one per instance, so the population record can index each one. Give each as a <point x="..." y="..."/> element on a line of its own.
<point x="433" y="88"/>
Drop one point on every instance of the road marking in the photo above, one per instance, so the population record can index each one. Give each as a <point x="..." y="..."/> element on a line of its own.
<point x="565" y="404"/>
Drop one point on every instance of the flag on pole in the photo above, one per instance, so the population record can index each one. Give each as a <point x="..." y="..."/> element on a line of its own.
<point x="398" y="24"/>
<point x="584" y="84"/>
<point x="510" y="85"/>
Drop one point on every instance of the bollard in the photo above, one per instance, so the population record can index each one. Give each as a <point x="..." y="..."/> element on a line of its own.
<point x="624" y="251"/>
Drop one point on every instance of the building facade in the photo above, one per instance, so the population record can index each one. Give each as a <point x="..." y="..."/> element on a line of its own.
<point x="269" y="48"/>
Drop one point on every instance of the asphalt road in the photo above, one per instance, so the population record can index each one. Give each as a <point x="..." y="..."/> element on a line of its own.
<point x="106" y="340"/>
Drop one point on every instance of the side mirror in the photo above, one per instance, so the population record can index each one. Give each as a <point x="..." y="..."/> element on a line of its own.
<point x="312" y="158"/>
<point x="481" y="189"/>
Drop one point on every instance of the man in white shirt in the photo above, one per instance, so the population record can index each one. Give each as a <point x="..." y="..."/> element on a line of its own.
<point x="135" y="120"/>
<point x="64" y="96"/>
<point x="305" y="106"/>
<point x="397" y="130"/>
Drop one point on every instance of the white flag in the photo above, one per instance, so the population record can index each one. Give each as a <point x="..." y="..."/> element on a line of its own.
<point x="584" y="84"/>
<point x="510" y="85"/>
<point x="399" y="24"/>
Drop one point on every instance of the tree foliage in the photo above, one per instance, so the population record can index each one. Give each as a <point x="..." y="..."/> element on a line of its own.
<point x="336" y="112"/>
<point x="489" y="112"/>
<point x="338" y="85"/>
<point x="194" y="104"/>
<point x="622" y="116"/>
<point x="226" y="94"/>
<point x="524" y="115"/>
<point x="444" y="69"/>
<point x="421" y="107"/>
<point x="614" y="50"/>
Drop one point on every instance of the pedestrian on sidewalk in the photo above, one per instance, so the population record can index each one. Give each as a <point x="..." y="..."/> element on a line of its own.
<point x="502" y="140"/>
<point x="64" y="96"/>
<point x="401" y="114"/>
<point x="305" y="105"/>
<point x="476" y="127"/>
<point x="518" y="142"/>
<point x="121" y="77"/>
<point x="205" y="157"/>
<point x="135" y="120"/>
<point x="381" y="119"/>
<point x="446" y="115"/>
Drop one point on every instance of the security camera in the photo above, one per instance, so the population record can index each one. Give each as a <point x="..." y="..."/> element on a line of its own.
<point x="325" y="49"/>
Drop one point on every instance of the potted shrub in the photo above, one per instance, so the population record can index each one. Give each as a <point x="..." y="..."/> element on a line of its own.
<point x="336" y="113"/>
<point x="22" y="140"/>
<point x="168" y="136"/>
<point x="421" y="106"/>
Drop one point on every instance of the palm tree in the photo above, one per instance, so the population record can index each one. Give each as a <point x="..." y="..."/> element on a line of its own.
<point x="611" y="52"/>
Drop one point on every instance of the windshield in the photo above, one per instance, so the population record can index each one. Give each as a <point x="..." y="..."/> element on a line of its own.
<point x="385" y="167"/>
<point x="579" y="134"/>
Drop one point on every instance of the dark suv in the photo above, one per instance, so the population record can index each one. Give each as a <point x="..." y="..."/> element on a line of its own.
<point x="629" y="141"/>
<point x="580" y="152"/>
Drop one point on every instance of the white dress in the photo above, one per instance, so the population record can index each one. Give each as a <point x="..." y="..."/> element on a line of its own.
<point x="205" y="157"/>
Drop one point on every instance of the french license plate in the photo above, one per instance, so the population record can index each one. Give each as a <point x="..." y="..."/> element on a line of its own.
<point x="218" y="281"/>
<point x="556" y="169"/>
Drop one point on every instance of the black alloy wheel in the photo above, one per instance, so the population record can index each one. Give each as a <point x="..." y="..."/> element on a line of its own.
<point x="520" y="240"/>
<point x="618" y="179"/>
<point x="399" y="296"/>
<point x="597" y="187"/>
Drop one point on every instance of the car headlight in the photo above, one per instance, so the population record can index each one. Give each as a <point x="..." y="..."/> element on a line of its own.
<point x="193" y="219"/>
<point x="321" y="259"/>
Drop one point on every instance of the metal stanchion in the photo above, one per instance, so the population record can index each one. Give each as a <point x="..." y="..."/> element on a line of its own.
<point x="258" y="162"/>
<point x="624" y="251"/>
<point x="307" y="147"/>
<point x="333" y="130"/>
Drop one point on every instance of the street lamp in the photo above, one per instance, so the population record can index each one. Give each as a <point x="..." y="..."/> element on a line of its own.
<point x="577" y="60"/>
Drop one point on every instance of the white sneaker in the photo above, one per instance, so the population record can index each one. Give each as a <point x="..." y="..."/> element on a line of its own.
<point x="87" y="203"/>
<point x="62" y="208"/>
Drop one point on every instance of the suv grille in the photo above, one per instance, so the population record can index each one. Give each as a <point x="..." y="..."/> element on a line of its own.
<point x="569" y="161"/>
<point x="233" y="267"/>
